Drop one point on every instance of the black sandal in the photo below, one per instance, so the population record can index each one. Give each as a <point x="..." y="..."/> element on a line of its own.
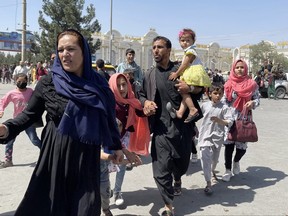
<point x="191" y="117"/>
<point x="208" y="190"/>
<point x="177" y="188"/>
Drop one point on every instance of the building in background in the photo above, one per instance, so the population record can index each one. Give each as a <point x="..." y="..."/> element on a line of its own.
<point x="212" y="55"/>
<point x="12" y="41"/>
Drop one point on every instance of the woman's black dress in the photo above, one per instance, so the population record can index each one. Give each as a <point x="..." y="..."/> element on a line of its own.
<point x="66" y="180"/>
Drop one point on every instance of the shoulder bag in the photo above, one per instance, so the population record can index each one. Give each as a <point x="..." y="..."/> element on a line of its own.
<point x="243" y="129"/>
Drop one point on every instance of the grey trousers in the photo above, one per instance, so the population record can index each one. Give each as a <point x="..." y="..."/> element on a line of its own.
<point x="209" y="159"/>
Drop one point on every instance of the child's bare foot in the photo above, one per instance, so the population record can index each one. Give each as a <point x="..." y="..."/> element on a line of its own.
<point x="178" y="114"/>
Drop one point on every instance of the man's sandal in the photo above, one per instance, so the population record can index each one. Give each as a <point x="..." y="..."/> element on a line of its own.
<point x="208" y="190"/>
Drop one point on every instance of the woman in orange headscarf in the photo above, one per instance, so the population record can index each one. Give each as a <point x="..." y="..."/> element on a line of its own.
<point x="240" y="92"/>
<point x="130" y="112"/>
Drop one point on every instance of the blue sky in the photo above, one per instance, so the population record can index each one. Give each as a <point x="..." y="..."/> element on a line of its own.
<point x="230" y="23"/>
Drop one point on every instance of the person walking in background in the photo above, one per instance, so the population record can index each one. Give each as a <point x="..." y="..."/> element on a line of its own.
<point x="33" y="73"/>
<point x="172" y="138"/>
<point x="80" y="118"/>
<point x="240" y="92"/>
<point x="130" y="63"/>
<point x="271" y="91"/>
<point x="136" y="86"/>
<point x="192" y="72"/>
<point x="6" y="76"/>
<point x="100" y="66"/>
<point x="216" y="121"/>
<point x="20" y="98"/>
<point x="127" y="107"/>
<point x="21" y="68"/>
<point x="40" y="71"/>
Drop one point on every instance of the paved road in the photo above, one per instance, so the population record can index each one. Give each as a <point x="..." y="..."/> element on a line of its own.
<point x="260" y="189"/>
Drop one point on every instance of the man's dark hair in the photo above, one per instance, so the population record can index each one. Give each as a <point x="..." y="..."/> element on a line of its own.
<point x="129" y="50"/>
<point x="100" y="63"/>
<point x="168" y="42"/>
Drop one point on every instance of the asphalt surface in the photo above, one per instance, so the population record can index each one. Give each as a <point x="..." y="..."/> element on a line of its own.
<point x="260" y="189"/>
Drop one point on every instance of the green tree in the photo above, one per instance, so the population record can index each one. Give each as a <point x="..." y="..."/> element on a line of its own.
<point x="65" y="14"/>
<point x="2" y="58"/>
<point x="261" y="52"/>
<point x="265" y="51"/>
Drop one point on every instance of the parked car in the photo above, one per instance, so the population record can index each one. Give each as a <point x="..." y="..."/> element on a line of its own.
<point x="281" y="87"/>
<point x="110" y="69"/>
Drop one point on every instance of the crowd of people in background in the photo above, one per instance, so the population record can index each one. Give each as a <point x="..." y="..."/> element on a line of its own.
<point x="34" y="71"/>
<point x="266" y="77"/>
<point x="116" y="105"/>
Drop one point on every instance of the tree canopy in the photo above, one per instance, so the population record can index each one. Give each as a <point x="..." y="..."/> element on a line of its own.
<point x="264" y="51"/>
<point x="59" y="15"/>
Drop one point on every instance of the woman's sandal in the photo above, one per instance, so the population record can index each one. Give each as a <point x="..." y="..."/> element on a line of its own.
<point x="208" y="190"/>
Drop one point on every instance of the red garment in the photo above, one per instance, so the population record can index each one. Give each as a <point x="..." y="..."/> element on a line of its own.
<point x="131" y="100"/>
<point x="243" y="86"/>
<point x="140" y="138"/>
<point x="40" y="72"/>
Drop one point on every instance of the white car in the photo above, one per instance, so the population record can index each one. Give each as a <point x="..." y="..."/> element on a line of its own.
<point x="281" y="87"/>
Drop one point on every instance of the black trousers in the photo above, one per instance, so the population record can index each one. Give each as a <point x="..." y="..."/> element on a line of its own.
<point x="166" y="167"/>
<point x="229" y="149"/>
<point x="194" y="150"/>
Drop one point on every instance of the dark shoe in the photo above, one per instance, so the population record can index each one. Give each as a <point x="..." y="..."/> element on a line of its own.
<point x="171" y="110"/>
<point x="130" y="166"/>
<point x="208" y="190"/>
<point x="107" y="212"/>
<point x="191" y="117"/>
<point x="167" y="213"/>
<point x="177" y="188"/>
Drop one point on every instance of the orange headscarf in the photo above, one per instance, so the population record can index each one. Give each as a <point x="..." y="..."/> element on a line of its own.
<point x="244" y="86"/>
<point x="130" y="99"/>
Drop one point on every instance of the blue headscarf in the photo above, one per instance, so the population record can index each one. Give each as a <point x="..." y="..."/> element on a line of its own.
<point x="89" y="116"/>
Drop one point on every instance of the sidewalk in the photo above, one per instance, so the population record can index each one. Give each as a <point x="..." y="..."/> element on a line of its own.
<point x="260" y="189"/>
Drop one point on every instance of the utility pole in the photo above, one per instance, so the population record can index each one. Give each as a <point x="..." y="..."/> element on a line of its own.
<point x="111" y="35"/>
<point x="23" y="50"/>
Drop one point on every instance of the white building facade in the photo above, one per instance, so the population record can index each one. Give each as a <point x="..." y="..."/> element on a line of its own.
<point x="212" y="55"/>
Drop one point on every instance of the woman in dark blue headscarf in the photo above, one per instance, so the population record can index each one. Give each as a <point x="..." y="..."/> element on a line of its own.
<point x="80" y="118"/>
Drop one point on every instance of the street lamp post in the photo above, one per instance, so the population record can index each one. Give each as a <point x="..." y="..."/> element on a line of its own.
<point x="111" y="36"/>
<point x="208" y="57"/>
<point x="23" y="51"/>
